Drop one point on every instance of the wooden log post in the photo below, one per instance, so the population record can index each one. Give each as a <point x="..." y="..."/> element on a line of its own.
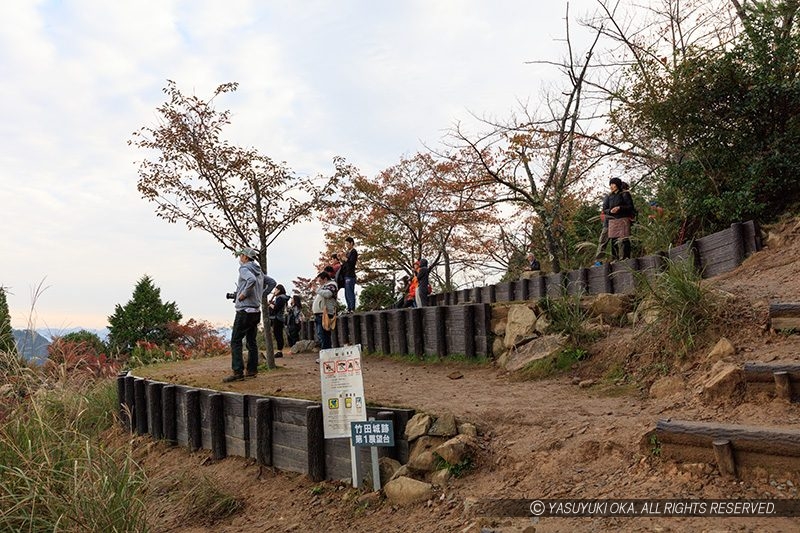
<point x="316" y="443"/>
<point x="169" y="414"/>
<point x="784" y="316"/>
<point x="523" y="289"/>
<point x="356" y="323"/>
<point x="491" y="295"/>
<point x="737" y="235"/>
<point x="441" y="331"/>
<point x="194" y="420"/>
<point x="140" y="386"/>
<point x="264" y="431"/>
<point x="154" y="409"/>
<point x="345" y="324"/>
<point x="387" y="451"/>
<point x="216" y="418"/>
<point x="383" y="330"/>
<point x="783" y="386"/>
<point x="469" y="331"/>
<point x="130" y="402"/>
<point x="723" y="454"/>
<point x="401" y="336"/>
<point x="417" y="332"/>
<point x="477" y="295"/>
<point x="368" y="325"/>
<point x="536" y="287"/>
<point x="121" y="410"/>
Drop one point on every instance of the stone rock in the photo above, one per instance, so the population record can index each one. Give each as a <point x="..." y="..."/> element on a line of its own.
<point x="499" y="312"/>
<point x="774" y="240"/>
<point x="667" y="386"/>
<point x="725" y="382"/>
<point x="424" y="444"/>
<point x="498" y="347"/>
<point x="468" y="429"/>
<point x="499" y="327"/>
<point x="542" y="323"/>
<point x="418" y="426"/>
<point x="610" y="306"/>
<point x="456" y="449"/>
<point x="455" y="375"/>
<point x="445" y="426"/>
<point x="405" y="491"/>
<point x="369" y="499"/>
<point x="303" y="346"/>
<point x="401" y="472"/>
<point x="388" y="467"/>
<point x="722" y="350"/>
<point x="441" y="477"/>
<point x="521" y="321"/>
<point x="586" y="383"/>
<point x="425" y="461"/>
<point x="540" y="348"/>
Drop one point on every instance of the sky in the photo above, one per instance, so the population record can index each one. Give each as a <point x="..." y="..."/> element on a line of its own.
<point x="369" y="81"/>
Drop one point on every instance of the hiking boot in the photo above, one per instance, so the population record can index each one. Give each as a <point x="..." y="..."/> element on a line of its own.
<point x="233" y="377"/>
<point x="250" y="374"/>
<point x="278" y="354"/>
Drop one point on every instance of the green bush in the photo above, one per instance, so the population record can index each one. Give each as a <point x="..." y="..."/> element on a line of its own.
<point x="683" y="306"/>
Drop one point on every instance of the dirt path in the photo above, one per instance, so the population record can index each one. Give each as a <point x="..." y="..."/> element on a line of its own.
<point x="543" y="439"/>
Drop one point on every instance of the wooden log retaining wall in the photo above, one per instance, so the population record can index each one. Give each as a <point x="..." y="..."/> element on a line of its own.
<point x="780" y="380"/>
<point x="285" y="433"/>
<point x="736" y="449"/>
<point x="436" y="329"/>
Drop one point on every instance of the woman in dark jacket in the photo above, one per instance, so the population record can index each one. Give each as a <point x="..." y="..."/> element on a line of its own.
<point x="277" y="314"/>
<point x="618" y="208"/>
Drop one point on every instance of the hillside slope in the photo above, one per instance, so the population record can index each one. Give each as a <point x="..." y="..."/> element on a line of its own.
<point x="544" y="439"/>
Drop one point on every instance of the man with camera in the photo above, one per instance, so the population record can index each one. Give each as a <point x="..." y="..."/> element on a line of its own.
<point x="250" y="289"/>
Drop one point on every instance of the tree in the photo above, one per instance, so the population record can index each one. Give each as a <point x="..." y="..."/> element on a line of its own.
<point x="237" y="195"/>
<point x="376" y="295"/>
<point x="706" y="99"/>
<point x="7" y="343"/>
<point x="408" y="211"/>
<point x="144" y="317"/>
<point x="536" y="160"/>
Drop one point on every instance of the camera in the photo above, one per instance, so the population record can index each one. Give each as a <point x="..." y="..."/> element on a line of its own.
<point x="230" y="296"/>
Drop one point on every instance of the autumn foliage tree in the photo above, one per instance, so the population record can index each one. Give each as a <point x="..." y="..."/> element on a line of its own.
<point x="408" y="211"/>
<point x="237" y="195"/>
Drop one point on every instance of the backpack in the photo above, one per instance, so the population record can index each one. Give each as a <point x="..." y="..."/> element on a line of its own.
<point x="292" y="322"/>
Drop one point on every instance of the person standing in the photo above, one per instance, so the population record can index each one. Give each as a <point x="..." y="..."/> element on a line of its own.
<point x="277" y="314"/>
<point x="618" y="208"/>
<point x="533" y="263"/>
<point x="349" y="274"/>
<point x="423" y="283"/>
<point x="247" y="302"/>
<point x="294" y="319"/>
<point x="324" y="302"/>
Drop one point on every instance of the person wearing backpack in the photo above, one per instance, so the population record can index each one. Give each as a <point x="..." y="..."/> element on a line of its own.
<point x="277" y="316"/>
<point x="324" y="303"/>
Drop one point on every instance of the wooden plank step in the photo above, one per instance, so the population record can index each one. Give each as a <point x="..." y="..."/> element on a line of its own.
<point x="784" y="316"/>
<point x="739" y="450"/>
<point x="781" y="379"/>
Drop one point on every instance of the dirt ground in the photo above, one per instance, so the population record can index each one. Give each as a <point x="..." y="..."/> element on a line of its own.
<point x="540" y="439"/>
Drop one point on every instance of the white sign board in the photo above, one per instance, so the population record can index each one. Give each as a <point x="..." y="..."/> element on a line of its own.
<point x="342" y="390"/>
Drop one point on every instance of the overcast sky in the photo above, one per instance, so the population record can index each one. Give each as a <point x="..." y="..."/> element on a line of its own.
<point x="369" y="81"/>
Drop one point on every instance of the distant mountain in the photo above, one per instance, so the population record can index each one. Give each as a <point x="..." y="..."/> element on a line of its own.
<point x="31" y="345"/>
<point x="50" y="333"/>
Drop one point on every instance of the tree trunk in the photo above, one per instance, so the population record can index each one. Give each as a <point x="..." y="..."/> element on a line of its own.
<point x="552" y="247"/>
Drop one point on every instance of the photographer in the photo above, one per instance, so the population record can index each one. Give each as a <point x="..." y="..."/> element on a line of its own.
<point x="247" y="302"/>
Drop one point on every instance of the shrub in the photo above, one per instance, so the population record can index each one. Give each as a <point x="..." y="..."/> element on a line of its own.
<point x="684" y="307"/>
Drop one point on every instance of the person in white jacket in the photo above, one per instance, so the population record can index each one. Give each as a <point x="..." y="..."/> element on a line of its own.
<point x="324" y="302"/>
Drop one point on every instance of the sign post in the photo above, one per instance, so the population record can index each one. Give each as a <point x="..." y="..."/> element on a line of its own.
<point x="373" y="434"/>
<point x="342" y="395"/>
